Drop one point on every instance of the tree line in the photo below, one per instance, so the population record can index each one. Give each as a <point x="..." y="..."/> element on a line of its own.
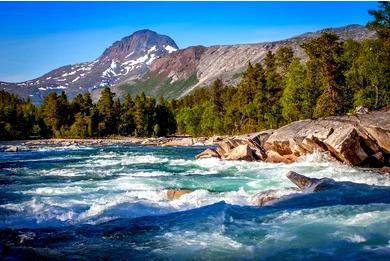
<point x="81" y="118"/>
<point x="335" y="78"/>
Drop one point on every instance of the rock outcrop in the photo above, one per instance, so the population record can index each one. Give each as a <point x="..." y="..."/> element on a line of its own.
<point x="357" y="140"/>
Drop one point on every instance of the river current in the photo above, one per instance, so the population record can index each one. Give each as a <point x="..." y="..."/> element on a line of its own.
<point x="110" y="203"/>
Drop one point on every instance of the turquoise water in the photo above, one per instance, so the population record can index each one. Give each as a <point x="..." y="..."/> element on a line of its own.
<point x="109" y="202"/>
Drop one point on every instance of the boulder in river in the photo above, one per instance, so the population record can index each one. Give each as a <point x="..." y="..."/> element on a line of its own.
<point x="241" y="152"/>
<point x="264" y="198"/>
<point x="173" y="194"/>
<point x="11" y="149"/>
<point x="310" y="184"/>
<point x="209" y="153"/>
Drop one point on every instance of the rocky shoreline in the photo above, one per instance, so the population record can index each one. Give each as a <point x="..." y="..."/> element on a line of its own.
<point x="14" y="146"/>
<point x="357" y="140"/>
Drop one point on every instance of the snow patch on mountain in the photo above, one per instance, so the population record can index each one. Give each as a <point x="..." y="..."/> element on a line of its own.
<point x="76" y="79"/>
<point x="170" y="49"/>
<point x="130" y="54"/>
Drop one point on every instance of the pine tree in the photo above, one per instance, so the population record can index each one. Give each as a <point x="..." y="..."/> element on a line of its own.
<point x="127" y="125"/>
<point x="284" y="56"/>
<point x="381" y="24"/>
<point x="51" y="112"/>
<point x="292" y="100"/>
<point x="217" y="95"/>
<point x="325" y="51"/>
<point x="274" y="89"/>
<point x="140" y="117"/>
<point x="105" y="105"/>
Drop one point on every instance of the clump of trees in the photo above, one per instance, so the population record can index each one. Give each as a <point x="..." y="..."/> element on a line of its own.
<point x="81" y="118"/>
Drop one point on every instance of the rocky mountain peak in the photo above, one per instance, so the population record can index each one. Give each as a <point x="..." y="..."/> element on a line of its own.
<point x="139" y="42"/>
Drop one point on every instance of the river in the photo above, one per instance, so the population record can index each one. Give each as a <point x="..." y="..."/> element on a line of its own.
<point x="110" y="203"/>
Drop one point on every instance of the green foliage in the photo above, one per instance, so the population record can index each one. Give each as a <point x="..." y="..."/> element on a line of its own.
<point x="369" y="76"/>
<point x="80" y="118"/>
<point x="381" y="23"/>
<point x="79" y="128"/>
<point x="293" y="99"/>
<point x="284" y="56"/>
<point x="18" y="119"/>
<point x="325" y="51"/>
<point x="51" y="112"/>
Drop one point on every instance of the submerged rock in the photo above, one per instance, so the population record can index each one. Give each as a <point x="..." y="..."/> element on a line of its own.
<point x="209" y="153"/>
<point x="11" y="149"/>
<point x="173" y="194"/>
<point x="267" y="197"/>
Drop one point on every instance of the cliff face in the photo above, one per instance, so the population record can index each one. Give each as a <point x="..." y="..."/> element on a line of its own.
<point x="179" y="65"/>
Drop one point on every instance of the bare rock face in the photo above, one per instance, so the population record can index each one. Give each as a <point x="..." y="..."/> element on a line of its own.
<point x="209" y="153"/>
<point x="180" y="65"/>
<point x="377" y="125"/>
<point x="173" y="194"/>
<point x="241" y="152"/>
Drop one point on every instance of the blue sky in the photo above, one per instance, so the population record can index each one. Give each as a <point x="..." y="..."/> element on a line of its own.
<point x="36" y="37"/>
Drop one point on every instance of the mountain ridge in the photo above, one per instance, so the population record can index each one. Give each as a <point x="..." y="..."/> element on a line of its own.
<point x="146" y="58"/>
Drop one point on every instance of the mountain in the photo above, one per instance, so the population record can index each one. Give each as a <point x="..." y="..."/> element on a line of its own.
<point x="149" y="62"/>
<point x="221" y="61"/>
<point x="124" y="60"/>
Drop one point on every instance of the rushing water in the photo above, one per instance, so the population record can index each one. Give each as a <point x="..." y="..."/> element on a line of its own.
<point x="109" y="202"/>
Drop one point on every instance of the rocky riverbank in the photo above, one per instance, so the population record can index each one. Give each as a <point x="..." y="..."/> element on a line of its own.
<point x="14" y="146"/>
<point x="357" y="140"/>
